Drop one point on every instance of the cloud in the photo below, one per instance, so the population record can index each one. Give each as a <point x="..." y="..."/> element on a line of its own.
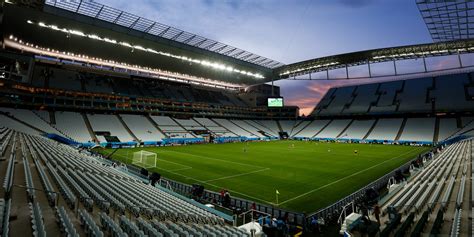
<point x="292" y="30"/>
<point x="356" y="3"/>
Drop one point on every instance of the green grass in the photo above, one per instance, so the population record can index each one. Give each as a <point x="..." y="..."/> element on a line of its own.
<point x="309" y="176"/>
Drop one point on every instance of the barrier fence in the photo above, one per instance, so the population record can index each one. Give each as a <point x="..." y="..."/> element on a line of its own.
<point x="328" y="213"/>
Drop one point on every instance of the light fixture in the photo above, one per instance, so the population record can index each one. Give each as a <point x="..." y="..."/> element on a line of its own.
<point x="213" y="65"/>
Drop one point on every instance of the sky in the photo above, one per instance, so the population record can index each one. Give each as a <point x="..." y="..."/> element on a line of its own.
<point x="292" y="30"/>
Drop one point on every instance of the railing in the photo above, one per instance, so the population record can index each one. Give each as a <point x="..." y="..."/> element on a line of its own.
<point x="327" y="213"/>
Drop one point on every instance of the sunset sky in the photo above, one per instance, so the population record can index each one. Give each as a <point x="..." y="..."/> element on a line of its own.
<point x="292" y="30"/>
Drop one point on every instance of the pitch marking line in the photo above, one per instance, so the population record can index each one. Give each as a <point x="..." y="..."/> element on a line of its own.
<point x="186" y="167"/>
<point x="206" y="182"/>
<point x="210" y="184"/>
<point x="349" y="176"/>
<point x="204" y="157"/>
<point x="238" y="175"/>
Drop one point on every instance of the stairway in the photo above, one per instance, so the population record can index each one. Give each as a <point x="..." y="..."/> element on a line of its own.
<point x="279" y="126"/>
<point x="243" y="128"/>
<point x="345" y="129"/>
<point x="213" y="120"/>
<point x="156" y="125"/>
<point x="436" y="131"/>
<point x="303" y="128"/>
<point x="192" y="134"/>
<point x="89" y="128"/>
<point x="400" y="131"/>
<point x="370" y="130"/>
<point x="327" y="124"/>
<point x="127" y="128"/>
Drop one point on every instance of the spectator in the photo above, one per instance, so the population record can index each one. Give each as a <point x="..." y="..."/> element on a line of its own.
<point x="154" y="178"/>
<point x="377" y="212"/>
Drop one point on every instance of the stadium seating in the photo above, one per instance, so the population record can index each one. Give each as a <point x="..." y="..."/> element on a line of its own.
<point x="142" y="128"/>
<point x="418" y="130"/>
<point x="14" y="124"/>
<point x="72" y="124"/>
<point x="415" y="95"/>
<point x="385" y="130"/>
<point x="262" y="127"/>
<point x="234" y="128"/>
<point x="312" y="129"/>
<point x="287" y="126"/>
<point x="433" y="190"/>
<point x="358" y="129"/>
<point x="447" y="127"/>
<point x="340" y="98"/>
<point x="170" y="127"/>
<point x="335" y="129"/>
<point x="364" y="96"/>
<point x="214" y="127"/>
<point x="442" y="94"/>
<point x="98" y="186"/>
<point x="109" y="123"/>
<point x="386" y="102"/>
<point x="450" y="93"/>
<point x="247" y="127"/>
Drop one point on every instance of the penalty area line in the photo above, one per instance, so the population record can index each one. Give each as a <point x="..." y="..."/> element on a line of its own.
<point x="238" y="175"/>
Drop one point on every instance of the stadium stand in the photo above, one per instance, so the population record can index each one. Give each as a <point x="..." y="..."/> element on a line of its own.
<point x="335" y="129"/>
<point x="312" y="128"/>
<point x="418" y="130"/>
<point x="387" y="94"/>
<point x="363" y="97"/>
<point x="447" y="127"/>
<point x="60" y="100"/>
<point x="415" y="95"/>
<point x="109" y="124"/>
<point x="385" y="130"/>
<point x="235" y="128"/>
<point x="358" y="129"/>
<point x="30" y="117"/>
<point x="404" y="96"/>
<point x="142" y="128"/>
<point x="72" y="125"/>
<point x="432" y="194"/>
<point x="170" y="127"/>
<point x="90" y="177"/>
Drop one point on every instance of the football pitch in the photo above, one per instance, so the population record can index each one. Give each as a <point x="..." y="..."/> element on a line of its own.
<point x="308" y="175"/>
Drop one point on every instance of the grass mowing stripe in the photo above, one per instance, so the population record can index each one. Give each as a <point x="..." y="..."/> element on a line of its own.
<point x="293" y="170"/>
<point x="339" y="180"/>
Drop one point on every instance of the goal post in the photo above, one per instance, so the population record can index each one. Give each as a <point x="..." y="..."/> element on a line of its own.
<point x="144" y="159"/>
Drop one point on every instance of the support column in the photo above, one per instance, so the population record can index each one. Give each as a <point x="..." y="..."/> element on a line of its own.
<point x="395" y="67"/>
<point x="368" y="65"/>
<point x="459" y="59"/>
<point x="424" y="63"/>
<point x="347" y="72"/>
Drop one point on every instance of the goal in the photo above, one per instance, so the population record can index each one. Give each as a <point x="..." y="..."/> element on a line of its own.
<point x="144" y="159"/>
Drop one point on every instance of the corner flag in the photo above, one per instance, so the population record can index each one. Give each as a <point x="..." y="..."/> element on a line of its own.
<point x="276" y="195"/>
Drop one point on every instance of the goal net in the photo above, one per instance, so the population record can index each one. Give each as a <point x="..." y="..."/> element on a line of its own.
<point x="144" y="159"/>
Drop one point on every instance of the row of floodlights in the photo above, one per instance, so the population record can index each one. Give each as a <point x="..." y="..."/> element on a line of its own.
<point x="206" y="63"/>
<point x="392" y="56"/>
<point x="162" y="74"/>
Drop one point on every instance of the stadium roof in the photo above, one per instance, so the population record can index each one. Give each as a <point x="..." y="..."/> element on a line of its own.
<point x="368" y="57"/>
<point x="125" y="19"/>
<point x="448" y="20"/>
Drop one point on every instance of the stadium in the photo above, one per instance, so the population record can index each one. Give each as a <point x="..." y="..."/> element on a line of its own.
<point x="112" y="124"/>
